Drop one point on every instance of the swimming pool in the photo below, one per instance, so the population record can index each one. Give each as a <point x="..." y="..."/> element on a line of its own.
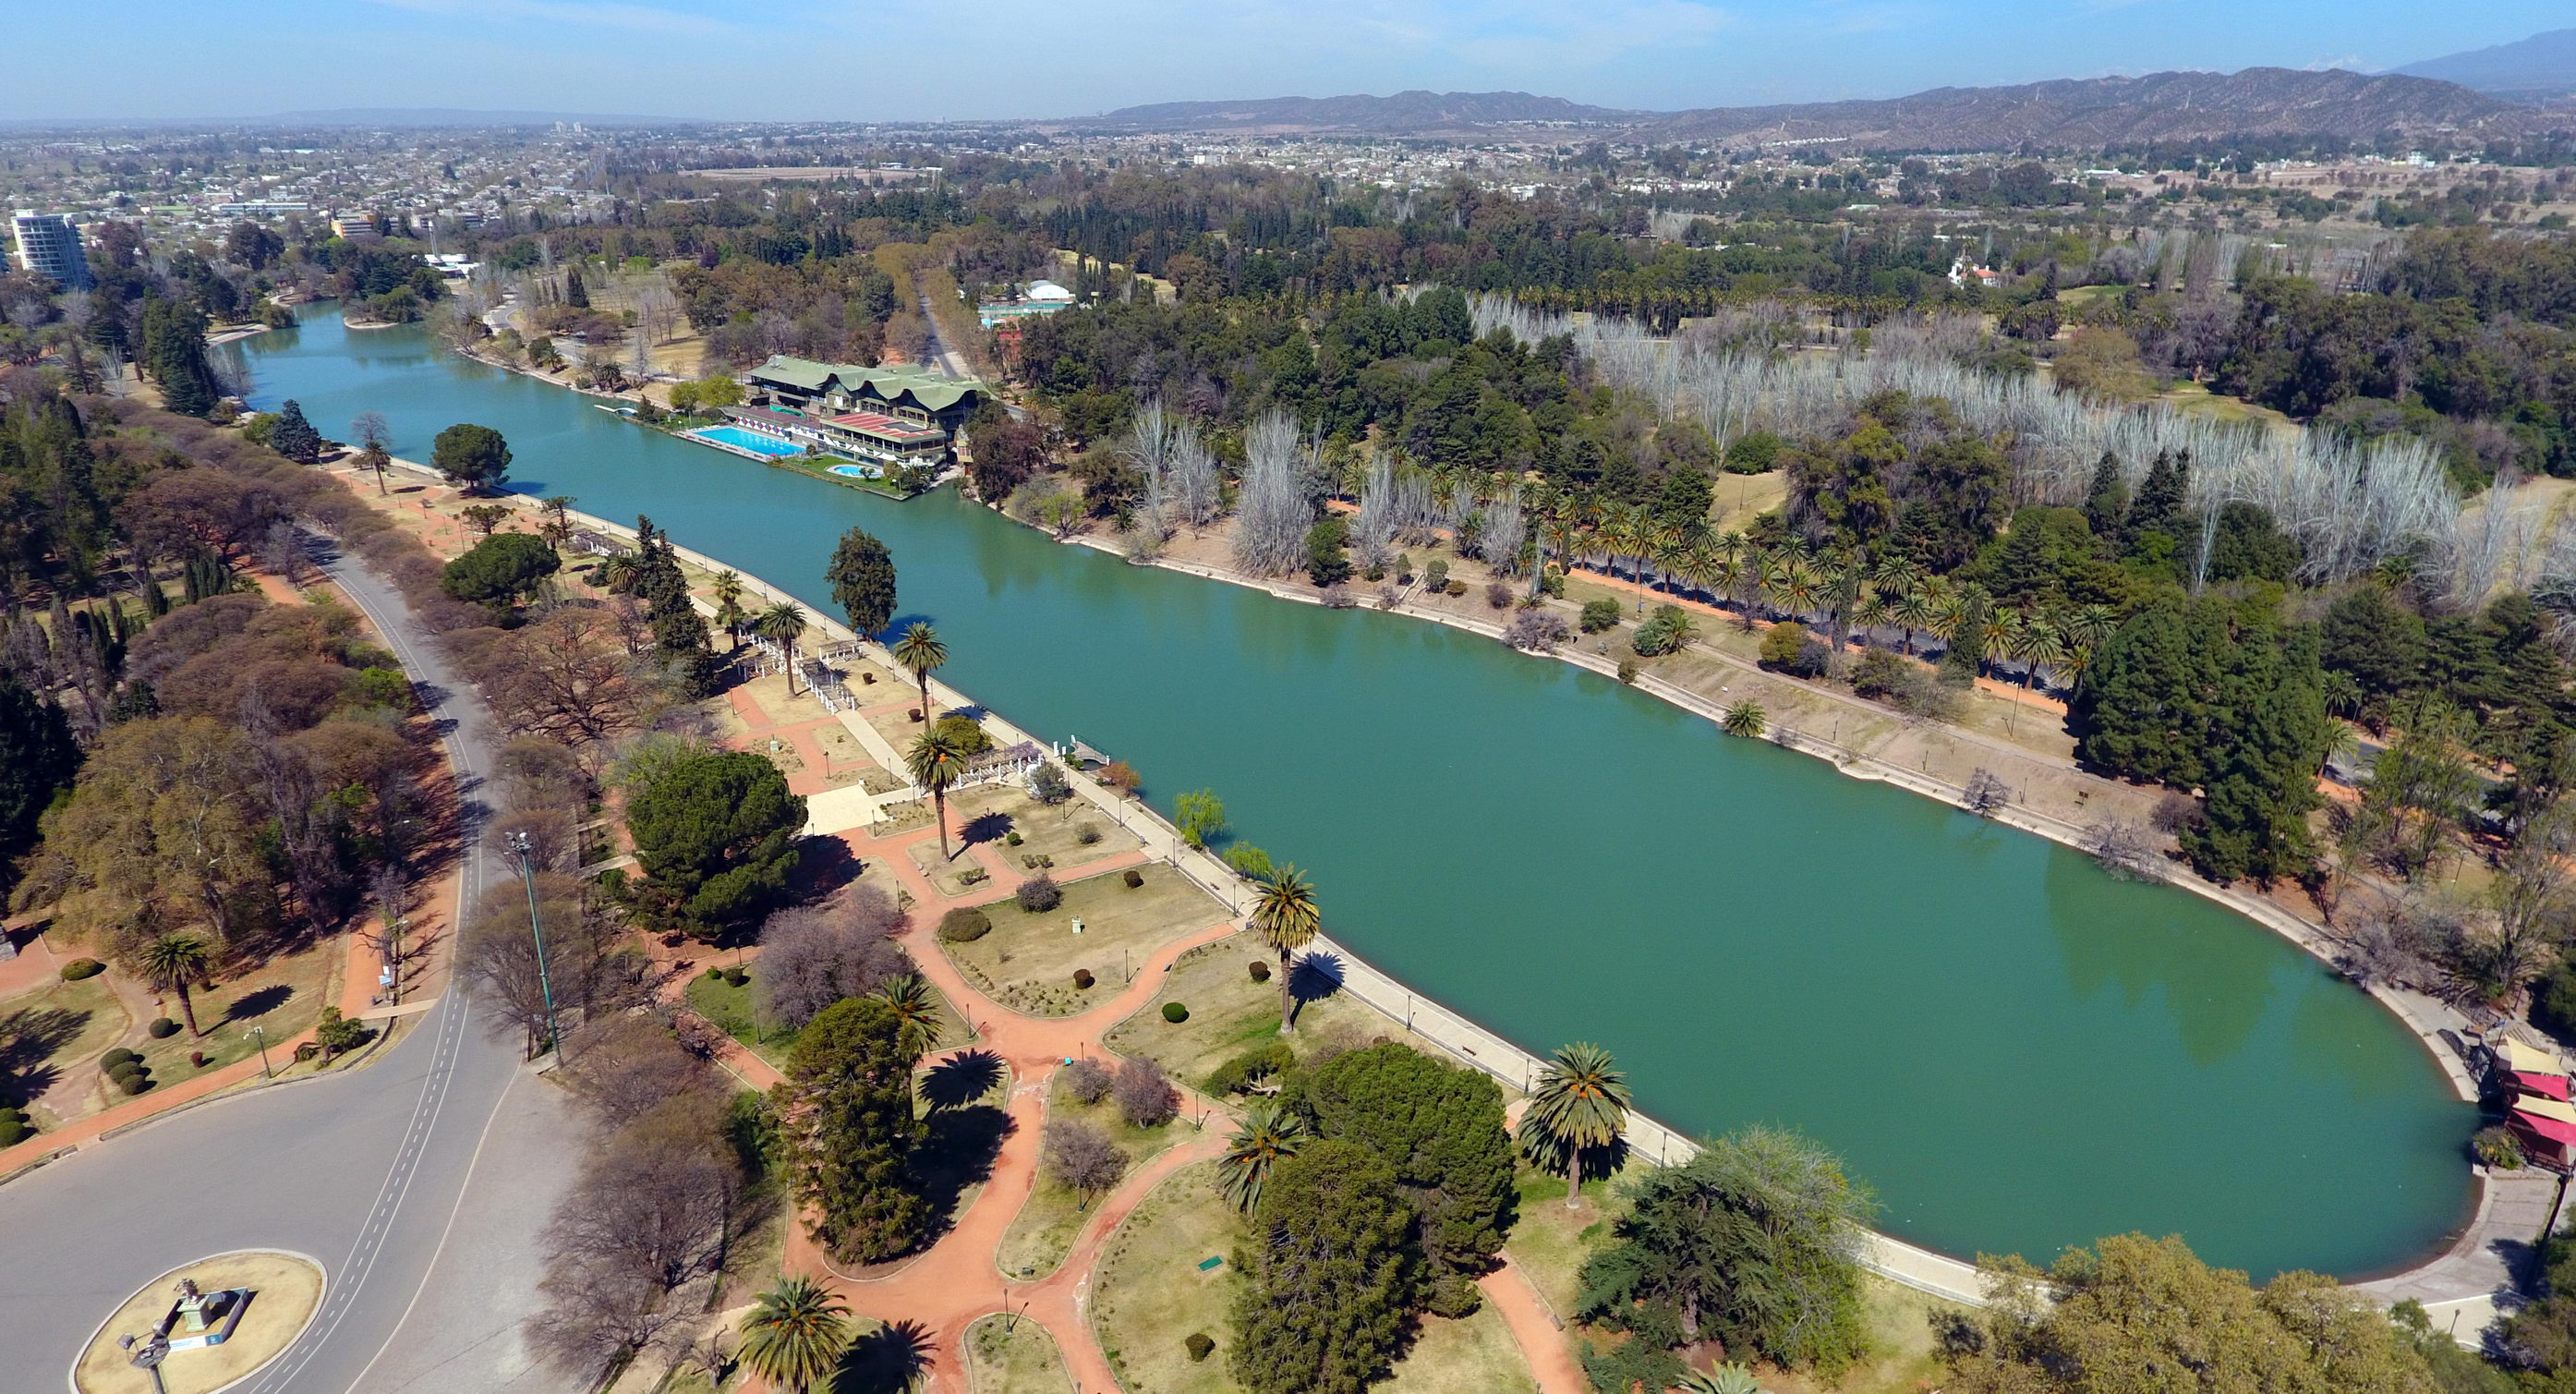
<point x="747" y="440"/>
<point x="855" y="471"/>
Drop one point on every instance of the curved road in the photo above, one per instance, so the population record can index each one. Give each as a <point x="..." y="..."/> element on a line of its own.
<point x="364" y="1171"/>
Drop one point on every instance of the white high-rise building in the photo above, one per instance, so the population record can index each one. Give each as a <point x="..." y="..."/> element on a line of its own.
<point x="49" y="244"/>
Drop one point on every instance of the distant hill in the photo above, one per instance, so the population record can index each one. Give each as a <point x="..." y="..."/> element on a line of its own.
<point x="2543" y="65"/>
<point x="1405" y="113"/>
<point x="2075" y="113"/>
<point x="2089" y="113"/>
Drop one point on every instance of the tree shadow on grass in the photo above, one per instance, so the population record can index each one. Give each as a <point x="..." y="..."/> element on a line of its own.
<point x="960" y="1079"/>
<point x="823" y="866"/>
<point x="259" y="1002"/>
<point x="1314" y="978"/>
<point x="985" y="827"/>
<point x="958" y="1152"/>
<point x="29" y="1038"/>
<point x="893" y="1359"/>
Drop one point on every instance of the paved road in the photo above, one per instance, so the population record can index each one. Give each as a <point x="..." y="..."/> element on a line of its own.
<point x="365" y="1172"/>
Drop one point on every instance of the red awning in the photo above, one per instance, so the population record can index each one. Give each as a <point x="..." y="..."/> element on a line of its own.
<point x="2550" y="1128"/>
<point x="2547" y="1086"/>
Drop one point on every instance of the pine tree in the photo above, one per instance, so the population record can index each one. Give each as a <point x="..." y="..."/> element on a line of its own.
<point x="2269" y="732"/>
<point x="293" y="436"/>
<point x="679" y="631"/>
<point x="2106" y="504"/>
<point x="174" y="354"/>
<point x="575" y="293"/>
<point x="2144" y="703"/>
<point x="1332" y="1277"/>
<point x="2163" y="498"/>
<point x="1965" y="659"/>
<point x="847" y="1112"/>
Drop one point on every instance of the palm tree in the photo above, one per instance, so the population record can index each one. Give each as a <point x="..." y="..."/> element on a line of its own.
<point x="1269" y="1135"/>
<point x="920" y="651"/>
<point x="937" y="762"/>
<point x="782" y="624"/>
<point x="1729" y="1378"/>
<point x="1579" y="1105"/>
<point x="557" y="528"/>
<point x="796" y="1336"/>
<point x="1791" y="587"/>
<point x="369" y="428"/>
<point x="1949" y="610"/>
<point x="2042" y="645"/>
<point x="2003" y="633"/>
<point x="1911" y="610"/>
<point x="1745" y="719"/>
<point x="1872" y="613"/>
<point x="916" y="1010"/>
<point x="1285" y="917"/>
<point x="2090" y="625"/>
<point x="621" y="571"/>
<point x="727" y="589"/>
<point x="170" y="963"/>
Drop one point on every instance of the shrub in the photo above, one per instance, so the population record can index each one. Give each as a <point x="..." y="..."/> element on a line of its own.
<point x="965" y="925"/>
<point x="1039" y="894"/>
<point x="1454" y="588"/>
<point x="1199" y="1346"/>
<point x="1086" y="1081"/>
<point x="1252" y="1066"/>
<point x="1133" y="878"/>
<point x="1082" y="979"/>
<point x="1259" y="968"/>
<point x="737" y="976"/>
<point x="1536" y="631"/>
<point x="1878" y="674"/>
<point x="197" y="1058"/>
<point x="134" y="1084"/>
<point x="1781" y="646"/>
<point x="80" y="968"/>
<point x="14" y="1131"/>
<point x="1668" y="629"/>
<point x="1085" y="835"/>
<point x="1628" y="671"/>
<point x="162" y="1028"/>
<point x="1146" y="1098"/>
<point x="1175" y="1013"/>
<point x="1436" y="575"/>
<point x="115" y="1058"/>
<point x="2498" y="1148"/>
<point x="1497" y="595"/>
<point x="1599" y="615"/>
<point x="1012" y="838"/>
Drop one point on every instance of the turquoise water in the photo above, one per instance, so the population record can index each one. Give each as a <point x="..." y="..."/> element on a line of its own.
<point x="748" y="440"/>
<point x="2017" y="1051"/>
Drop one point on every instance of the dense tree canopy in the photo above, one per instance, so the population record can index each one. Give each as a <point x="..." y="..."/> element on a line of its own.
<point x="1331" y="1276"/>
<point x="715" y="833"/>
<point x="1440" y="1127"/>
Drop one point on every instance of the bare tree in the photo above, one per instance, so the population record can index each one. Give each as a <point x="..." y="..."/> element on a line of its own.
<point x="1373" y="531"/>
<point x="1504" y="532"/>
<point x="625" y="1066"/>
<point x="2126" y="848"/>
<point x="1081" y="1158"/>
<point x="653" y="1211"/>
<point x="1275" y="511"/>
<point x="1146" y="1098"/>
<point x="813" y="956"/>
<point x="1987" y="793"/>
<point x="1086" y="1081"/>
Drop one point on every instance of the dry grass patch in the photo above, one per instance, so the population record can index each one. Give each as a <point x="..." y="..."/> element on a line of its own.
<point x="285" y="1292"/>
<point x="282" y="997"/>
<point x="1056" y="833"/>
<point x="1014" y="1357"/>
<point x="955" y="875"/>
<point x="1230" y="1014"/>
<point x="1028" y="961"/>
<point x="1054" y="1216"/>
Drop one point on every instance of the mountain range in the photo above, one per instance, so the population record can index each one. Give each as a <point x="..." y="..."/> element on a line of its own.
<point x="2541" y="66"/>
<point x="2073" y="113"/>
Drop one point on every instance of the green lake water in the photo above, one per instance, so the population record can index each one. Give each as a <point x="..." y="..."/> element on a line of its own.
<point x="2016" y="1051"/>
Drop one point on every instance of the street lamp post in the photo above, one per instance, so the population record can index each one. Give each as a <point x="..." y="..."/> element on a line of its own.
<point x="261" y="1035"/>
<point x="526" y="850"/>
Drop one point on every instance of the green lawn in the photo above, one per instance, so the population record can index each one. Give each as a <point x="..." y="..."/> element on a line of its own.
<point x="1014" y="1357"/>
<point x="282" y="997"/>
<point x="1150" y="1294"/>
<point x="1230" y="1014"/>
<point x="1044" y="1230"/>
<point x="1028" y="961"/>
<point x="51" y="1030"/>
<point x="735" y="1011"/>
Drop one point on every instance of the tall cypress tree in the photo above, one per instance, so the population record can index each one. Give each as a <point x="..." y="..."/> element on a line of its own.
<point x="679" y="631"/>
<point x="2106" y="504"/>
<point x="2163" y="498"/>
<point x="2144" y="704"/>
<point x="2269" y="731"/>
<point x="293" y="436"/>
<point x="848" y="1111"/>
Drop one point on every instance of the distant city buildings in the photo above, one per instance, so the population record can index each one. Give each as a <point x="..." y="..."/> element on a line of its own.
<point x="49" y="244"/>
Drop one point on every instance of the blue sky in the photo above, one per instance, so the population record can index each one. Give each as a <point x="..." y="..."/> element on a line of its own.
<point x="891" y="59"/>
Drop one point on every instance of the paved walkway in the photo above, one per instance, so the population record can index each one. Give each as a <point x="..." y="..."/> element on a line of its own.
<point x="957" y="1281"/>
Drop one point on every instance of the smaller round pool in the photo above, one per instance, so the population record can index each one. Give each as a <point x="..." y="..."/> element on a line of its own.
<point x="854" y="471"/>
